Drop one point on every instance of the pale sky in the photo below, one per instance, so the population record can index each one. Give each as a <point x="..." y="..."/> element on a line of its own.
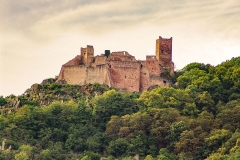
<point x="37" y="37"/>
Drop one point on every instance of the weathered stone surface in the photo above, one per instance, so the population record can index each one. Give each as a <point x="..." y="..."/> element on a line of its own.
<point x="120" y="69"/>
<point x="74" y="61"/>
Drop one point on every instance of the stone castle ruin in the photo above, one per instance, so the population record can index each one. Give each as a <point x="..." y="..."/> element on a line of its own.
<point x="120" y="69"/>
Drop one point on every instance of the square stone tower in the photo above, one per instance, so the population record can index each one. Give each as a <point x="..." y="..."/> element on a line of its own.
<point x="164" y="52"/>
<point x="87" y="55"/>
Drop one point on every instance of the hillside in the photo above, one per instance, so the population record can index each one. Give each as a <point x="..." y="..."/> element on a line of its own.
<point x="196" y="118"/>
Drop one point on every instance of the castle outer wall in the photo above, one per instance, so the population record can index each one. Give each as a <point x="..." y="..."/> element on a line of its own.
<point x="120" y="69"/>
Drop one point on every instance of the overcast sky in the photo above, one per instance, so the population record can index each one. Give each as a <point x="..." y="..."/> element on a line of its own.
<point x="37" y="37"/>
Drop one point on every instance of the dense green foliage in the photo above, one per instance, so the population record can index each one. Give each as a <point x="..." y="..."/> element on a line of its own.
<point x="198" y="118"/>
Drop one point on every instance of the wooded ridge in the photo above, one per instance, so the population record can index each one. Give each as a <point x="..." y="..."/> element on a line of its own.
<point x="196" y="118"/>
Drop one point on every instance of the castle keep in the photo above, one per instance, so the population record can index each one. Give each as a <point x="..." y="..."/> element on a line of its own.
<point x="120" y="69"/>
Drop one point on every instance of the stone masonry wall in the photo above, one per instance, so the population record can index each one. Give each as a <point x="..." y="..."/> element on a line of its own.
<point x="125" y="75"/>
<point x="144" y="78"/>
<point x="153" y="65"/>
<point x="124" y="71"/>
<point x="164" y="51"/>
<point x="120" y="69"/>
<point x="73" y="74"/>
<point x="157" y="80"/>
<point x="98" y="74"/>
<point x="99" y="60"/>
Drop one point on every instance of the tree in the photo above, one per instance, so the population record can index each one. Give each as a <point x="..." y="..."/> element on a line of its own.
<point x="231" y="142"/>
<point x="189" y="76"/>
<point x="2" y="101"/>
<point x="217" y="138"/>
<point x="164" y="154"/>
<point x="190" y="110"/>
<point x="187" y="143"/>
<point x="175" y="130"/>
<point x="114" y="125"/>
<point x="216" y="90"/>
<point x="45" y="155"/>
<point x="2" y="122"/>
<point x="205" y="120"/>
<point x="161" y="122"/>
<point x="162" y="97"/>
<point x="205" y="102"/>
<point x="89" y="155"/>
<point x="25" y="152"/>
<point x="140" y="121"/>
<point x="234" y="155"/>
<point x="21" y="156"/>
<point x="118" y="147"/>
<point x="183" y="81"/>
<point x="151" y="99"/>
<point x="196" y="65"/>
<point x="217" y="156"/>
<point x="86" y="158"/>
<point x="93" y="143"/>
<point x="139" y="144"/>
<point x="148" y="157"/>
<point x="112" y="103"/>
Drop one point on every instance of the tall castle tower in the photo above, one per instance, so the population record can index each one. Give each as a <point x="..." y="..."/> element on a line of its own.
<point x="87" y="55"/>
<point x="164" y="51"/>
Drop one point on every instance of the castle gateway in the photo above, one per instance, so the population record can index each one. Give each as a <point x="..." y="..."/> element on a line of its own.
<point x="120" y="69"/>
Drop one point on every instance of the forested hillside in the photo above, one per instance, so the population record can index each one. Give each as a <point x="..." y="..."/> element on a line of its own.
<point x="198" y="117"/>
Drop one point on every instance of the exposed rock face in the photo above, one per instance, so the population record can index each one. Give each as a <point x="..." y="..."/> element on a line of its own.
<point x="120" y="69"/>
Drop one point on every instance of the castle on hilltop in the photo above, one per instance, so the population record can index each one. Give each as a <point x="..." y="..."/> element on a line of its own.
<point x="120" y="69"/>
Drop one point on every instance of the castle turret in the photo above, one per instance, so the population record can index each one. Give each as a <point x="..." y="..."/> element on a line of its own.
<point x="87" y="55"/>
<point x="164" y="53"/>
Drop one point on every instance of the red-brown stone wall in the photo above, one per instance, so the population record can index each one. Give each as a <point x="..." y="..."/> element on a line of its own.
<point x="121" y="56"/>
<point x="120" y="69"/>
<point x="125" y="75"/>
<point x="144" y="78"/>
<point x="153" y="65"/>
<point x="157" y="80"/>
<point x="99" y="60"/>
<point x="164" y="51"/>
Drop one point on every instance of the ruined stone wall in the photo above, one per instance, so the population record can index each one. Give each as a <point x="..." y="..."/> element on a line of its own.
<point x="120" y="53"/>
<point x="143" y="63"/>
<point x="120" y="69"/>
<point x="99" y="60"/>
<point x="157" y="49"/>
<point x="73" y="74"/>
<point x="164" y="51"/>
<point x="75" y="61"/>
<point x="90" y="55"/>
<point x="157" y="80"/>
<point x="153" y="65"/>
<point x="124" y="71"/>
<point x="87" y="54"/>
<point x="98" y="74"/>
<point x="83" y="52"/>
<point x="150" y="73"/>
<point x="121" y="56"/>
<point x="144" y="78"/>
<point x="125" y="76"/>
